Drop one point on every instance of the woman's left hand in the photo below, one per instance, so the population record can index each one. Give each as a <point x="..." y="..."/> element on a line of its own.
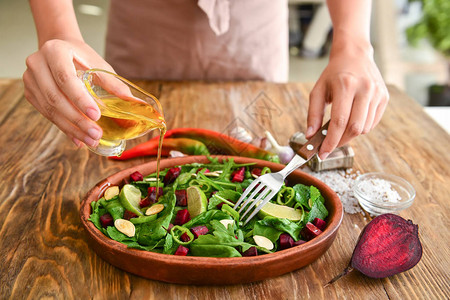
<point x="353" y="85"/>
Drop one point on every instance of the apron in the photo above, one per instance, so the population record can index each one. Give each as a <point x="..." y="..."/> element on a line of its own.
<point x="199" y="39"/>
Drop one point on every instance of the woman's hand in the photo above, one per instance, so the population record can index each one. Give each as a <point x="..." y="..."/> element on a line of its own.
<point x="353" y="85"/>
<point x="52" y="86"/>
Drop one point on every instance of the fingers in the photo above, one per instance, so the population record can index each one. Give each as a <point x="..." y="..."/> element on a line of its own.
<point x="342" y="95"/>
<point x="60" y="63"/>
<point x="317" y="102"/>
<point x="67" y="123"/>
<point x="52" y="86"/>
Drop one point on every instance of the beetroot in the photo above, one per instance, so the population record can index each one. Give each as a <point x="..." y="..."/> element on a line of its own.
<point x="310" y="231"/>
<point x="136" y="176"/>
<point x="252" y="251"/>
<point x="151" y="196"/>
<point x="204" y="172"/>
<point x="129" y="214"/>
<point x="299" y="242"/>
<point x="185" y="238"/>
<point x="171" y="175"/>
<point x="182" y="251"/>
<point x="107" y="220"/>
<point x="286" y="241"/>
<point x="169" y="228"/>
<point x="181" y="196"/>
<point x="182" y="217"/>
<point x="388" y="245"/>
<point x="319" y="223"/>
<point x="256" y="172"/>
<point x="238" y="175"/>
<point x="199" y="230"/>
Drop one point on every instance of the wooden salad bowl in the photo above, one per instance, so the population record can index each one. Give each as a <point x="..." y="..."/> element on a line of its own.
<point x="210" y="270"/>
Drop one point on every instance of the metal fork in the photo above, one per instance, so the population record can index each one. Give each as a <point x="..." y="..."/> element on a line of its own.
<point x="268" y="185"/>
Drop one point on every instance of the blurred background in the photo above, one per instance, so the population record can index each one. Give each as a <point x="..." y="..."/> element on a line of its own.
<point x="414" y="64"/>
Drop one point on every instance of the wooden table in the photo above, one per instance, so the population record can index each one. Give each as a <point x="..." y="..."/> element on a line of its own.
<point x="43" y="249"/>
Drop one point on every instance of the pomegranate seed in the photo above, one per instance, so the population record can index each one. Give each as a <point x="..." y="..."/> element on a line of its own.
<point x="171" y="175"/>
<point x="181" y="197"/>
<point x="182" y="251"/>
<point x="182" y="217"/>
<point x="129" y="214"/>
<point x="107" y="220"/>
<point x="136" y="176"/>
<point x="199" y="230"/>
<point x="321" y="224"/>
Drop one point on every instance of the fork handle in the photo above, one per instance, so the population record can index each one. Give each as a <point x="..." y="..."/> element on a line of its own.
<point x="312" y="145"/>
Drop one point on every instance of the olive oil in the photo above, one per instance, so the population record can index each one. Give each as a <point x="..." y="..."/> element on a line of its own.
<point x="125" y="119"/>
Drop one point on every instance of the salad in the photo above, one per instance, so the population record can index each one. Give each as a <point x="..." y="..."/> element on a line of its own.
<point x="191" y="213"/>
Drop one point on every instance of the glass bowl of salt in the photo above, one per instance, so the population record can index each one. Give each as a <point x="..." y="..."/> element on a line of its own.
<point x="380" y="193"/>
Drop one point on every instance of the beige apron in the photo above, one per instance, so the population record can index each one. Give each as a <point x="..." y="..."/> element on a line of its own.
<point x="199" y="39"/>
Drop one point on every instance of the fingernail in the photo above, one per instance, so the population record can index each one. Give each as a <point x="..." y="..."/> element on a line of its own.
<point x="324" y="155"/>
<point x="93" y="114"/>
<point x="94" y="133"/>
<point x="309" y="131"/>
<point x="90" y="142"/>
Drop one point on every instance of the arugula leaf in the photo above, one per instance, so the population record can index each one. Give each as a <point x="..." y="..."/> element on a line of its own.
<point x="302" y="194"/>
<point x="318" y="210"/>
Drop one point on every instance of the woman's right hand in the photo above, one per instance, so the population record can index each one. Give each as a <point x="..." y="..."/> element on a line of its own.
<point x="53" y="88"/>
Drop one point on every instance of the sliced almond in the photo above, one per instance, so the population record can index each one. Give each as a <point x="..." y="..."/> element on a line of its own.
<point x="111" y="192"/>
<point x="125" y="226"/>
<point x="150" y="179"/>
<point x="212" y="174"/>
<point x="154" y="209"/>
<point x="226" y="222"/>
<point x="255" y="176"/>
<point x="262" y="241"/>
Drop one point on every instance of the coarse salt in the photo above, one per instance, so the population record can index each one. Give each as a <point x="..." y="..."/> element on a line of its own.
<point x="342" y="182"/>
<point x="380" y="191"/>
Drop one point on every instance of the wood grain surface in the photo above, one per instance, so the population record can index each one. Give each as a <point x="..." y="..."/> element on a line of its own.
<point x="44" y="252"/>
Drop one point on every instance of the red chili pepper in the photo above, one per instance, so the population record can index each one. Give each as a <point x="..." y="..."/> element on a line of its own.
<point x="150" y="148"/>
<point x="219" y="143"/>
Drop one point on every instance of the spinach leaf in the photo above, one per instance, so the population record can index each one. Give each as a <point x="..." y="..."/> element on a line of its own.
<point x="117" y="235"/>
<point x="206" y="217"/>
<point x="281" y="225"/>
<point x="155" y="230"/>
<point x="220" y="236"/>
<point x="170" y="246"/>
<point x="213" y="250"/>
<point x="115" y="209"/>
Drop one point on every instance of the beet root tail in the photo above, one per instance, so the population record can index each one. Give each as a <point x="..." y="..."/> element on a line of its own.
<point x="347" y="271"/>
